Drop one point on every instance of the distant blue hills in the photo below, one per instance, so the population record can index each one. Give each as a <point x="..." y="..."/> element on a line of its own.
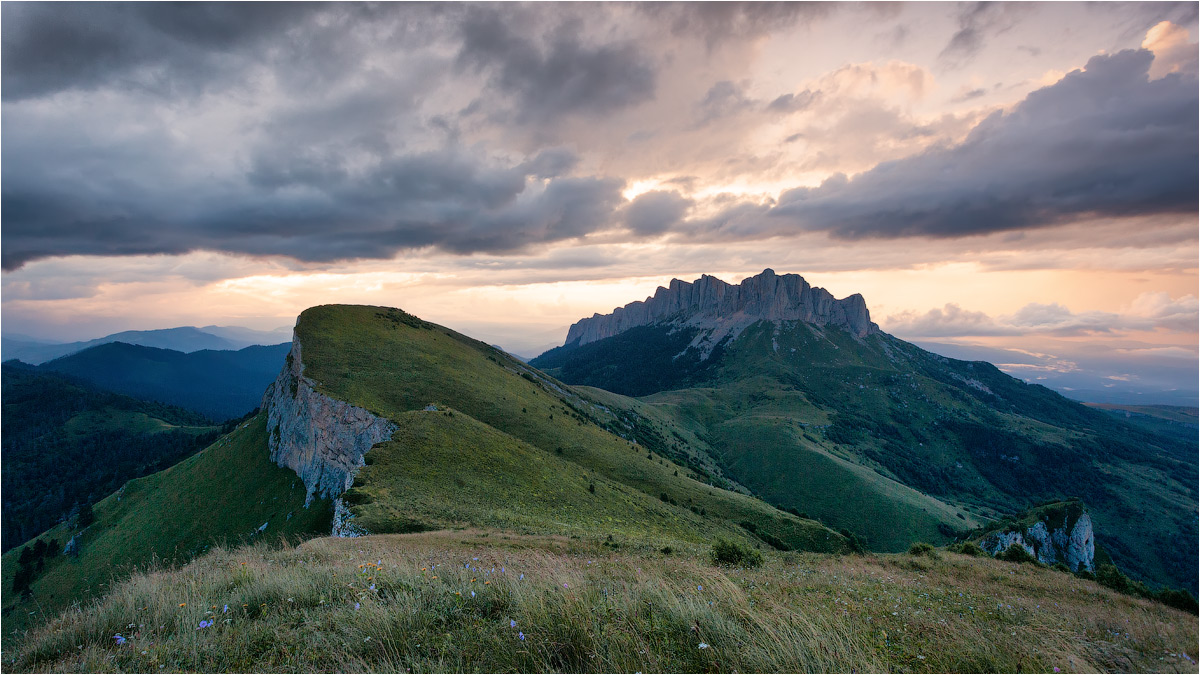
<point x="185" y="339"/>
<point x="217" y="376"/>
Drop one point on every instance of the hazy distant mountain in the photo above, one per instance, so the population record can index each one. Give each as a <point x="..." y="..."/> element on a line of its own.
<point x="218" y="384"/>
<point x="248" y="337"/>
<point x="185" y="339"/>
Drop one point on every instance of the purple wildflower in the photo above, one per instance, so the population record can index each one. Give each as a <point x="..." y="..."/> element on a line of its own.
<point x="521" y="635"/>
<point x="204" y="624"/>
<point x="226" y="610"/>
<point x="356" y="605"/>
<point x="119" y="638"/>
<point x="512" y="623"/>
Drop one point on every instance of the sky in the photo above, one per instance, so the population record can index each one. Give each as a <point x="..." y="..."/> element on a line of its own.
<point x="1011" y="182"/>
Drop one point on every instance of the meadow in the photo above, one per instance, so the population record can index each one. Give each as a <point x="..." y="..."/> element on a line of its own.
<point x="495" y="601"/>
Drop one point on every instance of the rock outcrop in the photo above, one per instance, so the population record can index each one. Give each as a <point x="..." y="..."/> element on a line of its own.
<point x="728" y="308"/>
<point x="1067" y="542"/>
<point x="320" y="438"/>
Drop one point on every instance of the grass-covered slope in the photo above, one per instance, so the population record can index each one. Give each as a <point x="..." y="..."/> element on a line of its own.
<point x="897" y="444"/>
<point x="67" y="444"/>
<point x="222" y="494"/>
<point x="474" y="601"/>
<point x="514" y="448"/>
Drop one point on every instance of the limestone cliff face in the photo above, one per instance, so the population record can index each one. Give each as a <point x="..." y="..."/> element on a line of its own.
<point x="728" y="308"/>
<point x="320" y="438"/>
<point x="1074" y="545"/>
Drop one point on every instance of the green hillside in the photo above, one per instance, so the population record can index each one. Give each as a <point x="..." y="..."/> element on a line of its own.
<point x="507" y="449"/>
<point x="67" y="444"/>
<point x="221" y="495"/>
<point x="897" y="444"/>
<point x="509" y="433"/>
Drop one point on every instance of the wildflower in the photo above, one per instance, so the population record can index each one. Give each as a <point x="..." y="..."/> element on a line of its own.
<point x="183" y="604"/>
<point x="226" y="610"/>
<point x="521" y="635"/>
<point x="565" y="585"/>
<point x="204" y="624"/>
<point x="700" y="588"/>
<point x="1057" y="669"/>
<point x="372" y="586"/>
<point x="522" y="578"/>
<point x="357" y="605"/>
<point x="703" y="645"/>
<point x="472" y="580"/>
<point x="512" y="623"/>
<point x="486" y="583"/>
<point x="472" y="594"/>
<point x="119" y="638"/>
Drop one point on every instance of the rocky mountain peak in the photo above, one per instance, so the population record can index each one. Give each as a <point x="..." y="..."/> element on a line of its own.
<point x="709" y="302"/>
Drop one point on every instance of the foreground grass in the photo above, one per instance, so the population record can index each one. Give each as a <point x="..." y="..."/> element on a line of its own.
<point x="496" y="602"/>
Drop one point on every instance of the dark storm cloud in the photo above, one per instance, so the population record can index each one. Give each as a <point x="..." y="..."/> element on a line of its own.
<point x="49" y="47"/>
<point x="555" y="72"/>
<point x="1105" y="141"/>
<point x="308" y="206"/>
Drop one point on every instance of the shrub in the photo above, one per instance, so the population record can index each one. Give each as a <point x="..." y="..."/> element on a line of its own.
<point x="857" y="545"/>
<point x="1059" y="567"/>
<point x="667" y="550"/>
<point x="970" y="548"/>
<point x="1016" y="553"/>
<point x="921" y="548"/>
<point x="1177" y="598"/>
<point x="726" y="552"/>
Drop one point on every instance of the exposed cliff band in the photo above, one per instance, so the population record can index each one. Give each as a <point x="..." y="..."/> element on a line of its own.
<point x="320" y="438"/>
<point x="728" y="308"/>
<point x="1070" y="543"/>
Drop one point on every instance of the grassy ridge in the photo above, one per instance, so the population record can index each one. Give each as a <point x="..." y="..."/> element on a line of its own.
<point x="222" y="494"/>
<point x="499" y="602"/>
<point x="394" y="364"/>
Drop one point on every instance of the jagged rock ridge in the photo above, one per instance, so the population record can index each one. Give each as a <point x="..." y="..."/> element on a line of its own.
<point x="728" y="308"/>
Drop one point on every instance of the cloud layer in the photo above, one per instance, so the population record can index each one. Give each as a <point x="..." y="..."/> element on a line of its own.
<point x="340" y="132"/>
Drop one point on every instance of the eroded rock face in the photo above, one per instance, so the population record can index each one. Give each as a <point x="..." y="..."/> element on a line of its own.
<point x="712" y="303"/>
<point x="320" y="438"/>
<point x="1074" y="547"/>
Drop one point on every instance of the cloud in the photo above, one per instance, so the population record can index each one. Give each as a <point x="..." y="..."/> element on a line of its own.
<point x="151" y="46"/>
<point x="655" y="212"/>
<point x="310" y="206"/>
<point x="557" y="72"/>
<point x="719" y="23"/>
<point x="1105" y="141"/>
<point x="977" y="22"/>
<point x="1149" y="311"/>
<point x="1173" y="51"/>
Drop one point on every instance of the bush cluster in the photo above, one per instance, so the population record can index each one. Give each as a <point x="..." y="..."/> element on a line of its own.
<point x="726" y="552"/>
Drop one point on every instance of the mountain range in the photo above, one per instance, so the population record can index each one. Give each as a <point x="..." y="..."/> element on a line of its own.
<point x="219" y="384"/>
<point x="762" y="417"/>
<point x="182" y="339"/>
<point x="812" y="407"/>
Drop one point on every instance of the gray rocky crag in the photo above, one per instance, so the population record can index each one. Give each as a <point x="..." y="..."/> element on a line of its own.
<point x="727" y="309"/>
<point x="320" y="438"/>
<point x="1073" y="544"/>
